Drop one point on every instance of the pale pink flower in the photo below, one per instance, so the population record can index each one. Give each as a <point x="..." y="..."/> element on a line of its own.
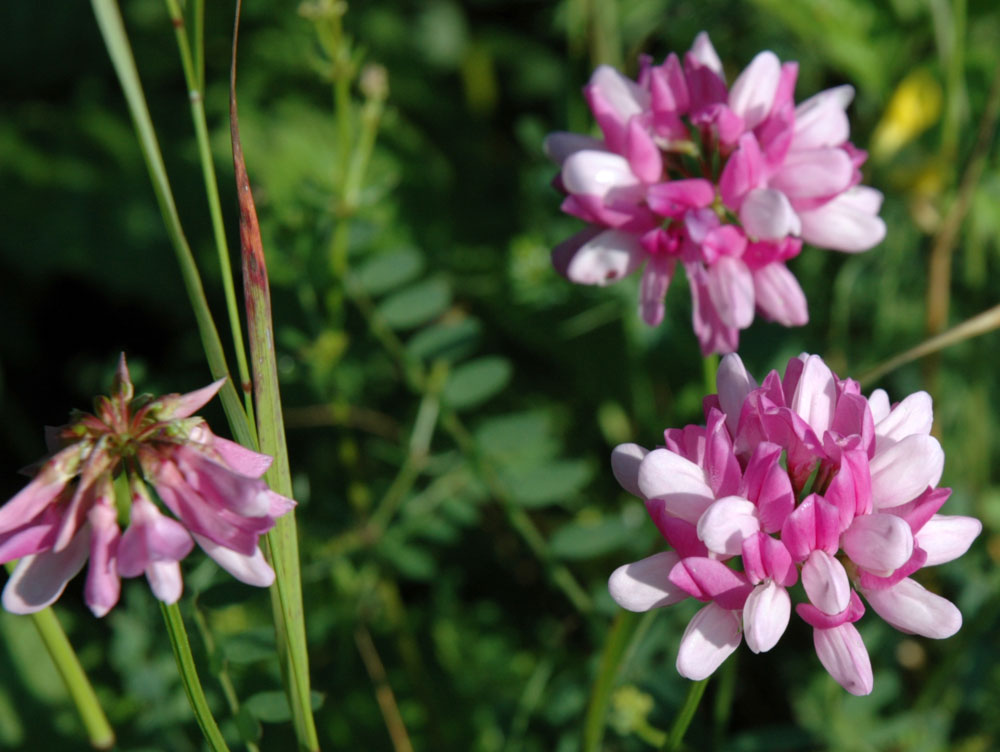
<point x="68" y="513"/>
<point x="798" y="478"/>
<point x="727" y="182"/>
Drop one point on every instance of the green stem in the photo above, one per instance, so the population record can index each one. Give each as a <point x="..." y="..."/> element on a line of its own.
<point x="99" y="731"/>
<point x="686" y="715"/>
<point x="194" y="75"/>
<point x="112" y="28"/>
<point x="710" y="367"/>
<point x="189" y="677"/>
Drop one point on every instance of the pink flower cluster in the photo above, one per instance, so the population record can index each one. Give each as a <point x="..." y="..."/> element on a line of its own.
<point x="799" y="479"/>
<point x="69" y="511"/>
<point x="728" y="182"/>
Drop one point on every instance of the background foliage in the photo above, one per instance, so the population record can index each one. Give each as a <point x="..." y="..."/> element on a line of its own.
<point x="450" y="401"/>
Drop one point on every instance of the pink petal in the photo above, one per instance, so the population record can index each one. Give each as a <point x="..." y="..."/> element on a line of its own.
<point x="597" y="173"/>
<point x="850" y="489"/>
<point x="40" y="579"/>
<point x="816" y="173"/>
<point x="679" y="484"/>
<point x="705" y="55"/>
<point x="253" y="569"/>
<point x="164" y="578"/>
<point x="846" y="223"/>
<point x="239" y="458"/>
<point x="815" y="395"/>
<point x="151" y="537"/>
<point x="766" y="558"/>
<point x="825" y="581"/>
<point x="625" y="460"/>
<point x="734" y="384"/>
<point x="914" y="415"/>
<point x="905" y="470"/>
<point x="911" y="608"/>
<point x="598" y="259"/>
<point x="765" y="616"/>
<point x="221" y="486"/>
<point x="34" y="537"/>
<point x="614" y="99"/>
<point x="744" y="172"/>
<point x="710" y="579"/>
<point x="674" y="197"/>
<point x="842" y="653"/>
<point x="821" y="120"/>
<point x="711" y="636"/>
<point x="103" y="584"/>
<point x="186" y="405"/>
<point x="779" y="296"/>
<point x="645" y="584"/>
<point x="881" y="543"/>
<point x="730" y="286"/>
<point x="668" y="87"/>
<point x="766" y="214"/>
<point x="879" y="404"/>
<point x="653" y="288"/>
<point x="643" y="154"/>
<point x="51" y="479"/>
<point x="946" y="537"/>
<point x="822" y="620"/>
<point x="726" y="523"/>
<point x="752" y="93"/>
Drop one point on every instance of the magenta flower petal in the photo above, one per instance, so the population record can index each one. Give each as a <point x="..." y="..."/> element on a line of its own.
<point x="39" y="579"/>
<point x="821" y="120"/>
<point x="845" y="223"/>
<point x="734" y="383"/>
<point x="825" y="581"/>
<point x="252" y="569"/>
<point x="103" y="585"/>
<point x="765" y="616"/>
<point x="645" y="584"/>
<point x="176" y="406"/>
<point x="778" y="295"/>
<point x="817" y="173"/>
<point x="676" y="483"/>
<point x="710" y="579"/>
<point x="752" y="93"/>
<point x="653" y="288"/>
<point x="725" y="524"/>
<point x="766" y="558"/>
<point x="911" y="608"/>
<point x="767" y="214"/>
<point x="600" y="258"/>
<point x="913" y="415"/>
<point x="946" y="537"/>
<point x="239" y="458"/>
<point x="815" y="395"/>
<point x="905" y="470"/>
<point x="743" y="173"/>
<point x="151" y="537"/>
<point x="842" y="653"/>
<point x="643" y="154"/>
<point x="673" y="198"/>
<point x="730" y="286"/>
<point x="711" y="637"/>
<point x="51" y="479"/>
<point x="614" y="99"/>
<point x="881" y="543"/>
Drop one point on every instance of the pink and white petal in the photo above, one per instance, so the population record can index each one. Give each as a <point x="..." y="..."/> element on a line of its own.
<point x="817" y="173"/>
<point x="743" y="173"/>
<point x="51" y="479"/>
<point x="34" y="537"/>
<point x="766" y="214"/>
<point x="752" y="93"/>
<point x="765" y="616"/>
<point x="845" y="223"/>
<point x="946" y="537"/>
<point x="910" y="607"/>
<point x="779" y="296"/>
<point x="734" y="383"/>
<point x="643" y="154"/>
<point x="842" y="653"/>
<point x="815" y="395"/>
<point x="186" y="405"/>
<point x="625" y="460"/>
<point x="40" y="579"/>
<point x="239" y="458"/>
<point x="614" y="99"/>
<point x="675" y="197"/>
<point x="825" y="581"/>
<point x="905" y="470"/>
<point x="678" y="482"/>
<point x="914" y="415"/>
<point x="558" y="146"/>
<point x="879" y="404"/>
<point x="880" y="543"/>
<point x="645" y="584"/>
<point x="164" y="578"/>
<point x="597" y="173"/>
<point x="821" y="120"/>
<point x="726" y="523"/>
<point x="253" y="570"/>
<point x="711" y="637"/>
<point x="653" y="288"/>
<point x="705" y="55"/>
<point x="711" y="580"/>
<point x="730" y="286"/>
<point x="600" y="259"/>
<point x="103" y="585"/>
<point x="277" y="504"/>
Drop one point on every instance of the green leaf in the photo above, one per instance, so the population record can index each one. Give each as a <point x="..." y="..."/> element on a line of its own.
<point x="525" y="435"/>
<point x="548" y="484"/>
<point x="249" y="646"/>
<point x="586" y="539"/>
<point x="272" y="706"/>
<point x="409" y="560"/>
<point x="417" y="304"/>
<point x="449" y="341"/>
<point x="385" y="271"/>
<point x="473" y="383"/>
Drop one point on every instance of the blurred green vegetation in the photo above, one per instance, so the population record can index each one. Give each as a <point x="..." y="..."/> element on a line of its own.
<point x="450" y="401"/>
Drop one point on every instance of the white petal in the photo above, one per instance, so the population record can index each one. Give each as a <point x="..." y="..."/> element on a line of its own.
<point x="253" y="570"/>
<point x="678" y="482"/>
<point x="847" y="223"/>
<point x="910" y="607"/>
<point x="734" y="383"/>
<point x="711" y="636"/>
<point x="40" y="579"/>
<point x="779" y="296"/>
<point x="644" y="584"/>
<point x="821" y="120"/>
<point x="879" y="405"/>
<point x="765" y="616"/>
<point x="905" y="470"/>
<point x="622" y="94"/>
<point x="165" y="580"/>
<point x="946" y="537"/>
<point x="730" y="285"/>
<point x="815" y="394"/>
<point x="825" y="581"/>
<point x="726" y="523"/>
<point x="752" y="93"/>
<point x="596" y="173"/>
<point x="842" y="653"/>
<point x="767" y="214"/>
<point x="881" y="543"/>
<point x="625" y="459"/>
<point x="914" y="415"/>
<point x="603" y="259"/>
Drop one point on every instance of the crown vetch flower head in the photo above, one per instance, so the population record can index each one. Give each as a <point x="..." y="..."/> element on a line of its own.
<point x="800" y="478"/>
<point x="727" y="182"/>
<point x="68" y="513"/>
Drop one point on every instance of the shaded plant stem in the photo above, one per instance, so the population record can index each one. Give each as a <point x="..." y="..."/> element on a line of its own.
<point x="710" y="367"/>
<point x="189" y="677"/>
<point x="194" y="76"/>
<point x="99" y="731"/>
<point x="384" y="695"/>
<point x="112" y="28"/>
<point x="686" y="714"/>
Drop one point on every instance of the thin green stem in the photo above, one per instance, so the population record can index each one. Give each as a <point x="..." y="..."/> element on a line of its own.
<point x="193" y="75"/>
<point x="112" y="28"/>
<point x="189" y="677"/>
<point x="685" y="715"/>
<point x="99" y="731"/>
<point x="710" y="367"/>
